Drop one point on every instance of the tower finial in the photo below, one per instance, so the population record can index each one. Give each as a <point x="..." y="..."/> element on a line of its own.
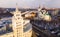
<point x="17" y="7"/>
<point x="40" y="8"/>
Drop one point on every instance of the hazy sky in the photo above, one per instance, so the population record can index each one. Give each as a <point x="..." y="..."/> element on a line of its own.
<point x="30" y="3"/>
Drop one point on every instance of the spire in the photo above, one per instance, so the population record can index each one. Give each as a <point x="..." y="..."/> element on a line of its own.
<point x="17" y="7"/>
<point x="40" y="8"/>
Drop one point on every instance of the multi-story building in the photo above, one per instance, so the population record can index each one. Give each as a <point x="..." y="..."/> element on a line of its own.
<point x="20" y="27"/>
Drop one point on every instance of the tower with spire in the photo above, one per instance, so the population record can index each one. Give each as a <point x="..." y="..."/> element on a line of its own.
<point x="17" y="22"/>
<point x="21" y="27"/>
